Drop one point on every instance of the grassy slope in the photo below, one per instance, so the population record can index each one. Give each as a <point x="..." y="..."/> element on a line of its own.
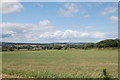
<point x="67" y="62"/>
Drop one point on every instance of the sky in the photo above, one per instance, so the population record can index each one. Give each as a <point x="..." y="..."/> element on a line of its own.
<point x="44" y="22"/>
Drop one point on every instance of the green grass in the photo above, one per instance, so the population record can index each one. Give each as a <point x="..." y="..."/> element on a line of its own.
<point x="60" y="64"/>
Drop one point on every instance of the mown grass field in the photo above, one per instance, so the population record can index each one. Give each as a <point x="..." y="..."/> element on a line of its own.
<point x="60" y="64"/>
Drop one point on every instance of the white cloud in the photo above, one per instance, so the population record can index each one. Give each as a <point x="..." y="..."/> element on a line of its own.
<point x="67" y="34"/>
<point x="86" y="16"/>
<point x="44" y="31"/>
<point x="9" y="0"/>
<point x="70" y="9"/>
<point x="45" y="23"/>
<point x="19" y="27"/>
<point x="10" y="7"/>
<point x="26" y="32"/>
<point x="114" y="19"/>
<point x="108" y="10"/>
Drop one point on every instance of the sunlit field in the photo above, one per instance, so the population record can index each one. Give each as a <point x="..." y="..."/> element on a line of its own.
<point x="60" y="64"/>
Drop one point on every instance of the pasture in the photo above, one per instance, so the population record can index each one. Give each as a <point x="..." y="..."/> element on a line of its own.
<point x="59" y="64"/>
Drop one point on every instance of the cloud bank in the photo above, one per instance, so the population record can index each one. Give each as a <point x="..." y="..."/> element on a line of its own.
<point x="45" y="31"/>
<point x="69" y="9"/>
<point x="10" y="7"/>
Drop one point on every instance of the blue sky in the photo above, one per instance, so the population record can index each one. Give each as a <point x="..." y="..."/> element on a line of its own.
<point x="59" y="22"/>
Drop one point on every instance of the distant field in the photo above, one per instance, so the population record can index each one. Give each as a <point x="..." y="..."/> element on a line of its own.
<point x="60" y="64"/>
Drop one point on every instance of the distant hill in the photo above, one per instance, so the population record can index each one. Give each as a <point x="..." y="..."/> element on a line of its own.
<point x="12" y="43"/>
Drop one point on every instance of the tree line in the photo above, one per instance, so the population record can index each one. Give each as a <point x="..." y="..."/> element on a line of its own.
<point x="108" y="43"/>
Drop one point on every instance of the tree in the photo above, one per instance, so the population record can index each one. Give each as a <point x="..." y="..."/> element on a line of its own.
<point x="108" y="43"/>
<point x="89" y="45"/>
<point x="29" y="47"/>
<point x="11" y="49"/>
<point x="58" y="47"/>
<point x="4" y="49"/>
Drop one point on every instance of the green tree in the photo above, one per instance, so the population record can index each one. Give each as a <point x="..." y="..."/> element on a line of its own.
<point x="108" y="43"/>
<point x="58" y="47"/>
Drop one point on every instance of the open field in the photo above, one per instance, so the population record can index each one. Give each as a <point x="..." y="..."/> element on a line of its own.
<point x="60" y="64"/>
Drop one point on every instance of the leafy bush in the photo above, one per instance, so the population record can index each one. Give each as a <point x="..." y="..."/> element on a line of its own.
<point x="105" y="75"/>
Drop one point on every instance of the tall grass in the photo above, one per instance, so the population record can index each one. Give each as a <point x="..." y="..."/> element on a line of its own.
<point x="41" y="74"/>
<point x="46" y="74"/>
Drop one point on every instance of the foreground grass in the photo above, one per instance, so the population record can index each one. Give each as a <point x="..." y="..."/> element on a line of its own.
<point x="60" y="64"/>
<point x="42" y="74"/>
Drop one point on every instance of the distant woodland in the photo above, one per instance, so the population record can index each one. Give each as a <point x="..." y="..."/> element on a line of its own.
<point x="108" y="43"/>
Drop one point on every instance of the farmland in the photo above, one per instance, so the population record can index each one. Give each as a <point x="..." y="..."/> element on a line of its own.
<point x="59" y="64"/>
